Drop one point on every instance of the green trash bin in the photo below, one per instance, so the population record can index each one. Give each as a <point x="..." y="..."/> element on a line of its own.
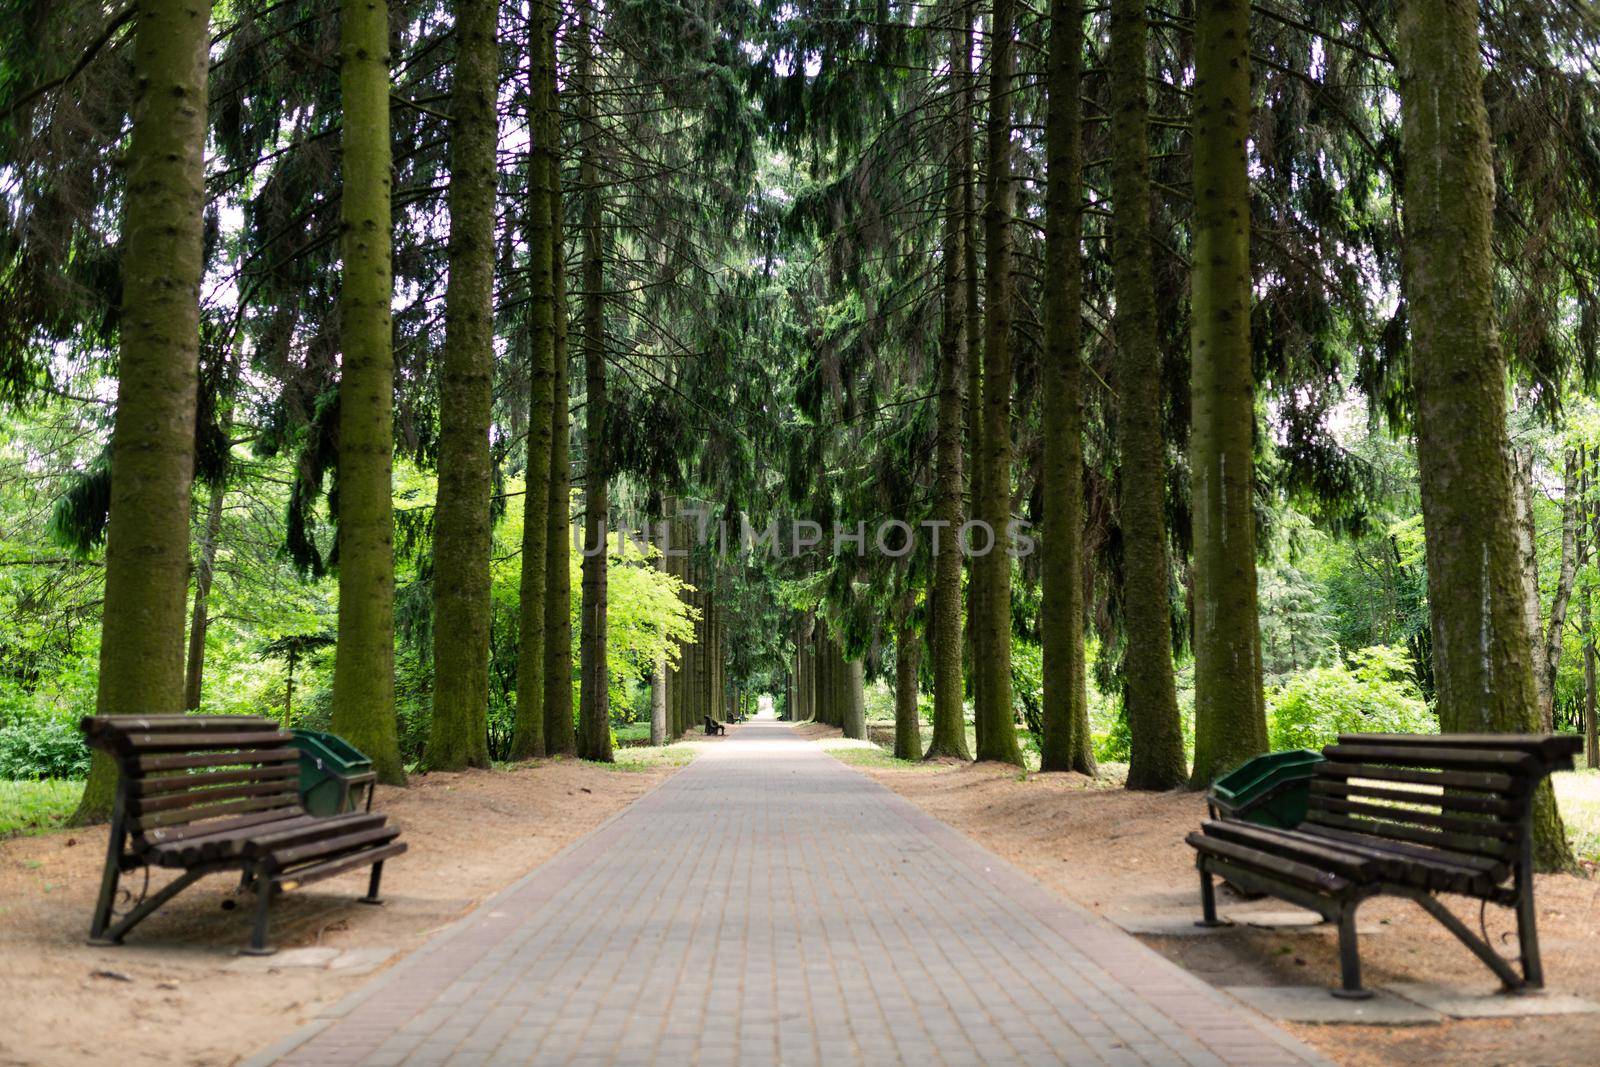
<point x="333" y="772"/>
<point x="1270" y="790"/>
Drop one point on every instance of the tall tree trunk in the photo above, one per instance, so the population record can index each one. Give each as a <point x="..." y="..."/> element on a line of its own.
<point x="1590" y="733"/>
<point x="1066" y="744"/>
<point x="594" y="693"/>
<point x="949" y="703"/>
<point x="1528" y="567"/>
<point x="658" y="671"/>
<point x="977" y="575"/>
<point x="907" y="665"/>
<point x="559" y="736"/>
<point x="855" y="700"/>
<point x="1483" y="661"/>
<point x="1156" y="759"/>
<point x="459" y="733"/>
<point x="1230" y="713"/>
<point x="1572" y="557"/>
<point x="152" y="442"/>
<point x="997" y="737"/>
<point x="363" y="665"/>
<point x="528" y="739"/>
<point x="200" y="614"/>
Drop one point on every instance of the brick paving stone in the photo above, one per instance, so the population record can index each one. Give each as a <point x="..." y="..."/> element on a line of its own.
<point x="769" y="905"/>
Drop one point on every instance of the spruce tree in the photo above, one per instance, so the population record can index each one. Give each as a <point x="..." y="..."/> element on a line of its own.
<point x="152" y="442"/>
<point x="1229" y="709"/>
<point x="461" y="530"/>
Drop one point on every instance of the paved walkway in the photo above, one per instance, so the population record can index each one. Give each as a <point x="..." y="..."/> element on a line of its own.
<point x="768" y="905"/>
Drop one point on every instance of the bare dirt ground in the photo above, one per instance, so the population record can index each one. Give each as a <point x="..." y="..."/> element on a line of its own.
<point x="176" y="993"/>
<point x="1115" y="851"/>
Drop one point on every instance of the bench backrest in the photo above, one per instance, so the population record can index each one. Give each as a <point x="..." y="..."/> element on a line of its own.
<point x="184" y="776"/>
<point x="1463" y="793"/>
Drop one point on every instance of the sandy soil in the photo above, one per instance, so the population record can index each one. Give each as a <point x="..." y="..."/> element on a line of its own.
<point x="1112" y="851"/>
<point x="176" y="993"/>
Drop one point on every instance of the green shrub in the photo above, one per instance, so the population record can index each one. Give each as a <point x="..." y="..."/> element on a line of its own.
<point x="1375" y="691"/>
<point x="36" y="746"/>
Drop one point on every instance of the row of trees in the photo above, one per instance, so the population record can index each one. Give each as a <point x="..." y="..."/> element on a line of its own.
<point x="1117" y="271"/>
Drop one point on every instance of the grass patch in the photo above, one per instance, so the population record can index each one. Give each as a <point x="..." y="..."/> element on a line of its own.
<point x="1578" y="793"/>
<point x="646" y="757"/>
<point x="867" y="754"/>
<point x="634" y="733"/>
<point x="36" y="807"/>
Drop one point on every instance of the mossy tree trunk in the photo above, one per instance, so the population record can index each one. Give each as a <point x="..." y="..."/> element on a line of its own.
<point x="594" y="689"/>
<point x="1483" y="656"/>
<point x="997" y="734"/>
<point x="527" y="739"/>
<point x="907" y="667"/>
<point x="152" y="441"/>
<point x="855" y="700"/>
<point x="1066" y="744"/>
<point x="559" y="736"/>
<point x="949" y="716"/>
<point x="1230" y="713"/>
<point x="1156" y="759"/>
<point x="459" y="732"/>
<point x="363" y="667"/>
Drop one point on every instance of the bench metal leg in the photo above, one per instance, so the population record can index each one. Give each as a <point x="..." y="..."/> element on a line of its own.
<point x="372" y="885"/>
<point x="1485" y="952"/>
<point x="1349" y="958"/>
<point x="1208" y="901"/>
<point x="258" y="935"/>
<point x="1528" y="920"/>
<point x="108" y="898"/>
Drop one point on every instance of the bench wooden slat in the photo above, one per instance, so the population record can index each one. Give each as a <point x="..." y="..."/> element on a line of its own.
<point x="149" y="787"/>
<point x="1548" y="747"/>
<point x="1481" y="846"/>
<point x="199" y="843"/>
<point x="1290" y="870"/>
<point x="1480" y="781"/>
<point x="139" y="766"/>
<point x="288" y="857"/>
<point x="1476" y="873"/>
<point x="266" y="842"/>
<point x="146" y="823"/>
<point x="1352" y="789"/>
<point x="1344" y="862"/>
<point x="1485" y="827"/>
<point x="179" y="741"/>
<point x="1442" y="757"/>
<point x="317" y="872"/>
<point x="175" y="802"/>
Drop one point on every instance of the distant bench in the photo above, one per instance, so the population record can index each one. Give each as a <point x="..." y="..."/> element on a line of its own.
<point x="210" y="793"/>
<point x="1409" y="815"/>
<point x="714" y="727"/>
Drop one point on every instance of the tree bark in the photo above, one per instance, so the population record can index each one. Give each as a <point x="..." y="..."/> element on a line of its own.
<point x="907" y="664"/>
<point x="528" y="738"/>
<point x="594" y="692"/>
<point x="855" y="702"/>
<point x="152" y="441"/>
<point x="977" y="575"/>
<point x="1572" y="557"/>
<point x="997" y="737"/>
<point x="1066" y="744"/>
<point x="1483" y="659"/>
<point x="1156" y="759"/>
<point x="459" y="733"/>
<point x="949" y="703"/>
<point x="1230" y="712"/>
<point x="559" y="735"/>
<point x="200" y="615"/>
<point x="363" y="667"/>
<point x="1528" y="565"/>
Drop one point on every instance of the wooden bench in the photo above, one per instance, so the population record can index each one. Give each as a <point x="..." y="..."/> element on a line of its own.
<point x="210" y="793"/>
<point x="714" y="727"/>
<point x="1408" y="815"/>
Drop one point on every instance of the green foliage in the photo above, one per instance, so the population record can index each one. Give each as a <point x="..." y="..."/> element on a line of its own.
<point x="1375" y="691"/>
<point x="29" y="807"/>
<point x="38" y="746"/>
